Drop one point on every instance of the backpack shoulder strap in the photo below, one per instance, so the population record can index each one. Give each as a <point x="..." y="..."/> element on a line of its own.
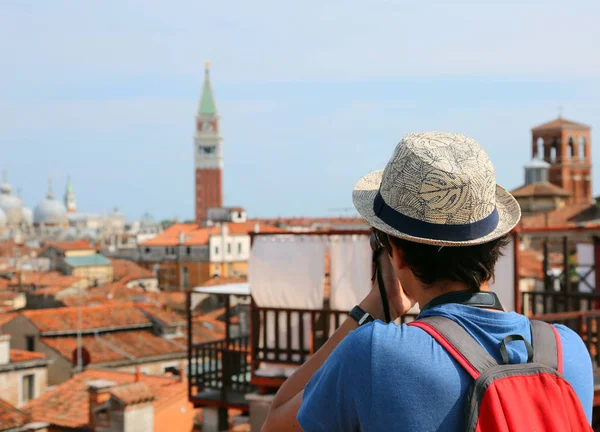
<point x="458" y="343"/>
<point x="547" y="348"/>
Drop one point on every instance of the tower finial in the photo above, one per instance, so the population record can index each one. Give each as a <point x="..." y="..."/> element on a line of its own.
<point x="207" y="65"/>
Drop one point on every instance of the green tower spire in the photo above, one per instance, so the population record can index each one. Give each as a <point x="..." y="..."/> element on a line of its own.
<point x="207" y="100"/>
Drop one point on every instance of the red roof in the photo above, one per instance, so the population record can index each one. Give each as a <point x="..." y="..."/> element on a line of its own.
<point x="17" y="356"/>
<point x="196" y="235"/>
<point x="544" y="189"/>
<point x="559" y="217"/>
<point x="44" y="279"/>
<point x="162" y="314"/>
<point x="125" y="269"/>
<point x="531" y="265"/>
<point x="69" y="245"/>
<point x="67" y="405"/>
<point x="560" y="123"/>
<point x="11" y="417"/>
<point x="126" y="345"/>
<point x="6" y="317"/>
<point x="92" y="317"/>
<point x="132" y="394"/>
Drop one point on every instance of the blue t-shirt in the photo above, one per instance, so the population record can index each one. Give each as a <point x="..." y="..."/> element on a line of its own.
<point x="384" y="377"/>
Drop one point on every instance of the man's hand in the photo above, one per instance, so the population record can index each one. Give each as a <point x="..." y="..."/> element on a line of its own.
<point x="399" y="302"/>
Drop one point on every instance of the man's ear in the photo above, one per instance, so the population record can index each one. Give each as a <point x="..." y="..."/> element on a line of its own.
<point x="397" y="255"/>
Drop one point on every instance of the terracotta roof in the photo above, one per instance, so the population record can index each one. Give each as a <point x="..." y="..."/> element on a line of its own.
<point x="531" y="264"/>
<point x="222" y="280"/>
<point x="69" y="245"/>
<point x="92" y="318"/>
<point x="133" y="394"/>
<point x="325" y="223"/>
<point x="563" y="216"/>
<point x="125" y="269"/>
<point x="6" y="317"/>
<point x="161" y="314"/>
<point x="3" y="283"/>
<point x="543" y="189"/>
<point x="17" y="356"/>
<point x="195" y="235"/>
<point x="126" y="345"/>
<point x="67" y="405"/>
<point x="11" y="417"/>
<point x="44" y="279"/>
<point x="7" y="295"/>
<point x="560" y="123"/>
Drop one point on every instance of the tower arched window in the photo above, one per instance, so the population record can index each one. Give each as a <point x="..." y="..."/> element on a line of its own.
<point x="554" y="150"/>
<point x="582" y="148"/>
<point x="539" y="149"/>
<point x="570" y="148"/>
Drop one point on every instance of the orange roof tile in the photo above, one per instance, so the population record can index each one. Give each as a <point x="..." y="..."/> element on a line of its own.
<point x="125" y="269"/>
<point x="92" y="318"/>
<point x="531" y="265"/>
<point x="560" y="123"/>
<point x="44" y="279"/>
<point x="10" y="417"/>
<point x="6" y="317"/>
<point x="563" y="216"/>
<point x="161" y="314"/>
<point x="126" y="345"/>
<point x="543" y="189"/>
<point x="195" y="235"/>
<point x="67" y="405"/>
<point x="7" y="295"/>
<point x="17" y="355"/>
<point x="69" y="245"/>
<point x="133" y="394"/>
<point x="3" y="283"/>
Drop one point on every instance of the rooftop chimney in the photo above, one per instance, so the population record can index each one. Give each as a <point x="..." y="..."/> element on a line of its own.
<point x="256" y="227"/>
<point x="138" y="374"/>
<point x="98" y="393"/>
<point x="4" y="349"/>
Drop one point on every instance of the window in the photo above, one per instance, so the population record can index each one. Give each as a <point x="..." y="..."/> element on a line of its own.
<point x="239" y="248"/>
<point x="539" y="150"/>
<point x="228" y="248"/>
<point x="28" y="388"/>
<point x="570" y="148"/>
<point x="582" y="148"/>
<point x="166" y="251"/>
<point x="188" y="250"/>
<point x="184" y="276"/>
<point x="147" y="250"/>
<point x="216" y="250"/>
<point x="30" y="343"/>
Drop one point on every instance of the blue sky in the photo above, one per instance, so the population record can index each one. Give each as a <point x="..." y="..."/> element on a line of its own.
<point x="312" y="96"/>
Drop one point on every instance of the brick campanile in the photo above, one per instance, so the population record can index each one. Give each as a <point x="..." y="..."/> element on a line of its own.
<point x="208" y="153"/>
<point x="566" y="146"/>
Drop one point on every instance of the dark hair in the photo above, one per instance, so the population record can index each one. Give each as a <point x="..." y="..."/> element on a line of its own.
<point x="470" y="265"/>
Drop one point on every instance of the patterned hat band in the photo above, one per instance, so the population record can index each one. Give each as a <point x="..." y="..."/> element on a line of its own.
<point x="445" y="232"/>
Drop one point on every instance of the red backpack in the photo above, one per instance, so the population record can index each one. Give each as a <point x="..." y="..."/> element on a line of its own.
<point x="529" y="397"/>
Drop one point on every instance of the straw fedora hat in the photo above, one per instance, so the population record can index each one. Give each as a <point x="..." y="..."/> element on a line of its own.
<point x="439" y="189"/>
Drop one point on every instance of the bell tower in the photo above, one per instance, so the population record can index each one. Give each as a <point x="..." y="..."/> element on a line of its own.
<point x="208" y="153"/>
<point x="567" y="147"/>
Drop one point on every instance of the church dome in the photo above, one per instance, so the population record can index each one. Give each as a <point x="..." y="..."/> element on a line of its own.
<point x="10" y="204"/>
<point x="50" y="211"/>
<point x="3" y="219"/>
<point x="27" y="216"/>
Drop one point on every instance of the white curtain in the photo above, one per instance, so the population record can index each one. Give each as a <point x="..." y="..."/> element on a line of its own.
<point x="350" y="271"/>
<point x="504" y="282"/>
<point x="287" y="271"/>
